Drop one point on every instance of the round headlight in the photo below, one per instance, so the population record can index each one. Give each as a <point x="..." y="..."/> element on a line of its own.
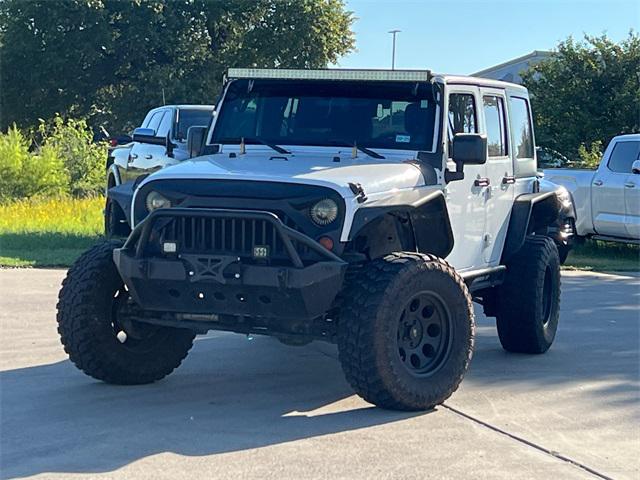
<point x="324" y="212"/>
<point x="154" y="201"/>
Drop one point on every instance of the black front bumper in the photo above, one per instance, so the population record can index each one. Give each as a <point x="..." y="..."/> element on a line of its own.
<point x="229" y="283"/>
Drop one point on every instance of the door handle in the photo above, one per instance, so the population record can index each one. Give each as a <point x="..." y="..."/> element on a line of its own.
<point x="508" y="179"/>
<point x="482" y="182"/>
<point x="133" y="155"/>
<point x="630" y="185"/>
<point x="148" y="157"/>
<point x="597" y="183"/>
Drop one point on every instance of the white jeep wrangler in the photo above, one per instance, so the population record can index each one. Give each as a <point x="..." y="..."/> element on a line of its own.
<point x="365" y="208"/>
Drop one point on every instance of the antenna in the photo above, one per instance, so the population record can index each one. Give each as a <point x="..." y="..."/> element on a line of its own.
<point x="164" y="101"/>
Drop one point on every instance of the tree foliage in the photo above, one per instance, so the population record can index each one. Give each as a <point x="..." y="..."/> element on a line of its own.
<point x="57" y="158"/>
<point x="112" y="60"/>
<point x="587" y="92"/>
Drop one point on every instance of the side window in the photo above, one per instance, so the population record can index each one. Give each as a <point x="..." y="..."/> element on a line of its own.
<point x="154" y="122"/>
<point x="496" y="125"/>
<point x="146" y="120"/>
<point x="623" y="155"/>
<point x="462" y="115"/>
<point x="521" y="127"/>
<point x="165" y="125"/>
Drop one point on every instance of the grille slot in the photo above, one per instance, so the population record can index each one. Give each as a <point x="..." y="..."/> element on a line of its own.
<point x="224" y="236"/>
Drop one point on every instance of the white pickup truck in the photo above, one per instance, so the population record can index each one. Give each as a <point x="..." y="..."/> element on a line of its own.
<point x="607" y="201"/>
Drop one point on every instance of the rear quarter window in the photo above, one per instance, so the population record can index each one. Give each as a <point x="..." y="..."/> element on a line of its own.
<point x="521" y="129"/>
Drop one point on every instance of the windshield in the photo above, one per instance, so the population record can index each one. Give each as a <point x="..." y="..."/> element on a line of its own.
<point x="191" y="118"/>
<point x="391" y="115"/>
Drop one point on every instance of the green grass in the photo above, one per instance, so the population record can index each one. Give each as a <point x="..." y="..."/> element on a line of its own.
<point x="54" y="232"/>
<point x="48" y="232"/>
<point x="604" y="257"/>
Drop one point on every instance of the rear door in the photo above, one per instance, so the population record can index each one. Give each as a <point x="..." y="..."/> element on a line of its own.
<point x="499" y="172"/>
<point x="611" y="214"/>
<point x="632" y="190"/>
<point x="466" y="198"/>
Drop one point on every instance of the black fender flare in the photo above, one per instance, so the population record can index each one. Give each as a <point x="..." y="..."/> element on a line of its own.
<point x="530" y="212"/>
<point x="122" y="195"/>
<point x="428" y="220"/>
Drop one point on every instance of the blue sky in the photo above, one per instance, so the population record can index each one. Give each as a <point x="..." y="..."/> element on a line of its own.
<point x="464" y="37"/>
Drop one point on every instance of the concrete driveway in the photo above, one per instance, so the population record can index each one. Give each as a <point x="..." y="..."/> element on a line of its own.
<point x="259" y="409"/>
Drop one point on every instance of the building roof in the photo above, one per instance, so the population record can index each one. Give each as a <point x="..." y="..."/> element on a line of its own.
<point x="529" y="56"/>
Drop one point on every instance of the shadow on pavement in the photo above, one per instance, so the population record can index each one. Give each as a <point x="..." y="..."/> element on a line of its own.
<point x="229" y="395"/>
<point x="232" y="395"/>
<point x="598" y="339"/>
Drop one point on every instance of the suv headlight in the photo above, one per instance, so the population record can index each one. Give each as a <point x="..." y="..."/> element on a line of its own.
<point x="324" y="212"/>
<point x="155" y="200"/>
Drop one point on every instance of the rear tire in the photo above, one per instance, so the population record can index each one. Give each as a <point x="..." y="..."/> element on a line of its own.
<point x="406" y="331"/>
<point x="528" y="304"/>
<point x="89" y="313"/>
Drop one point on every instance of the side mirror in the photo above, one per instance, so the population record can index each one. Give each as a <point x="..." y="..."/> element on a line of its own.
<point x="467" y="149"/>
<point x="147" y="135"/>
<point x="635" y="167"/>
<point x="195" y="140"/>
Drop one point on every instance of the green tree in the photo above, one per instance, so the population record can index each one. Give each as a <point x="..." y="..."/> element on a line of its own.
<point x="587" y="92"/>
<point x="112" y="60"/>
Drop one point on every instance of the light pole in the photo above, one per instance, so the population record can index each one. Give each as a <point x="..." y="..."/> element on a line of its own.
<point x="393" y="50"/>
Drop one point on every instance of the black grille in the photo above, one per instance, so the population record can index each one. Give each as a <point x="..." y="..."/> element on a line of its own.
<point x="223" y="236"/>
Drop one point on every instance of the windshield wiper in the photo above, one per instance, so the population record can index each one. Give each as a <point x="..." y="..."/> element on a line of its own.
<point x="246" y="140"/>
<point x="365" y="150"/>
<point x="272" y="146"/>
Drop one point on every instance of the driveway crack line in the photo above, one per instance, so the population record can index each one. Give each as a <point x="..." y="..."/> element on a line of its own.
<point x="528" y="443"/>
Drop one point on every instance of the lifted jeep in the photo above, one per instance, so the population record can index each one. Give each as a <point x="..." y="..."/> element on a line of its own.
<point x="322" y="206"/>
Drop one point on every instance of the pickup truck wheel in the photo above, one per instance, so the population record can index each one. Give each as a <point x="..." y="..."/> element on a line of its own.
<point x="406" y="331"/>
<point x="529" y="299"/>
<point x="115" y="221"/>
<point x="97" y="336"/>
<point x="563" y="253"/>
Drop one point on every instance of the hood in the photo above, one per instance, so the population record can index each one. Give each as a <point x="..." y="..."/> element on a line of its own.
<point x="316" y="168"/>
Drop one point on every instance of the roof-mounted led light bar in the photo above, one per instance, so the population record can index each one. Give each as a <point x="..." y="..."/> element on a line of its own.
<point x="331" y="74"/>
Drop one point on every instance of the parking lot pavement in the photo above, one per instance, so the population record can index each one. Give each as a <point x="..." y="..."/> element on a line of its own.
<point x="259" y="409"/>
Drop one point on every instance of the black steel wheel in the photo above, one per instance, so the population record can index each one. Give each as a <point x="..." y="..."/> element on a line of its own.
<point x="405" y="331"/>
<point x="424" y="334"/>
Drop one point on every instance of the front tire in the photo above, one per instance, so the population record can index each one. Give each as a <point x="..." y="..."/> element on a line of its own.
<point x="529" y="299"/>
<point x="92" y="329"/>
<point x="115" y="221"/>
<point x="406" y="331"/>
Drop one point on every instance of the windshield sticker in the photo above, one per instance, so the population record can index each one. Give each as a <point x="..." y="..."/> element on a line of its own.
<point x="403" y="138"/>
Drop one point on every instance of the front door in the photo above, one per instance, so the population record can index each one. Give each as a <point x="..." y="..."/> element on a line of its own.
<point x="499" y="173"/>
<point x="146" y="158"/>
<point x="466" y="198"/>
<point x="608" y="190"/>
